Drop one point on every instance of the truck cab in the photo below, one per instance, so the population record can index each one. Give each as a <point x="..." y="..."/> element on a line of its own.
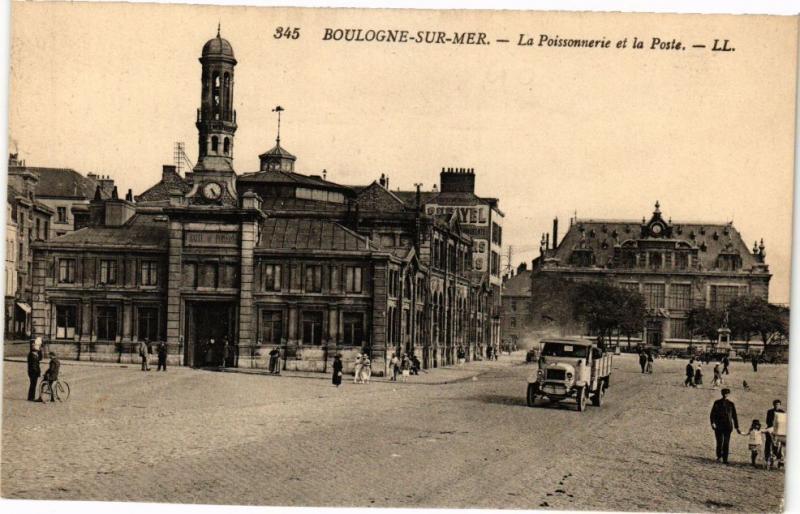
<point x="570" y="368"/>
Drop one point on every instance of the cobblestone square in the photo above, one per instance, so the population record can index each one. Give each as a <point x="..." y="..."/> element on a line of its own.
<point x="456" y="437"/>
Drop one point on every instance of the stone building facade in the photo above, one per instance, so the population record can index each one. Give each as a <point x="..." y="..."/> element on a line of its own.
<point x="516" y="309"/>
<point x="272" y="258"/>
<point x="39" y="203"/>
<point x="675" y="265"/>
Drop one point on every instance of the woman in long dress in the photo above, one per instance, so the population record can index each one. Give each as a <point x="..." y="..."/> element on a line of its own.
<point x="366" y="369"/>
<point x="337" y="370"/>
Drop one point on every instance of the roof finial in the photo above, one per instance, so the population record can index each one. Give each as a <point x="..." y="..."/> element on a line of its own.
<point x="219" y="25"/>
<point x="658" y="206"/>
<point x="279" y="110"/>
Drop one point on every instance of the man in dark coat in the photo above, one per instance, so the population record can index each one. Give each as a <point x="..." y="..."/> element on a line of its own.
<point x="776" y="407"/>
<point x="754" y="362"/>
<point x="725" y="363"/>
<point x="723" y="421"/>
<point x="337" y="370"/>
<point x="689" y="374"/>
<point x="34" y="372"/>
<point x="162" y="356"/>
<point x="643" y="360"/>
<point x="273" y="360"/>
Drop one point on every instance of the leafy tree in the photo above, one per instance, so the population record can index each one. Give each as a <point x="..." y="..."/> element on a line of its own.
<point x="753" y="315"/>
<point x="632" y="313"/>
<point x="605" y="308"/>
<point x="705" y="322"/>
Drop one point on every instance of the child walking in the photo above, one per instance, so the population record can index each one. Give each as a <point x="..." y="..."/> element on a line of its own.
<point x="755" y="441"/>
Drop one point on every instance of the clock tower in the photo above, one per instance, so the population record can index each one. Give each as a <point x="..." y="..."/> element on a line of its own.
<point x="214" y="177"/>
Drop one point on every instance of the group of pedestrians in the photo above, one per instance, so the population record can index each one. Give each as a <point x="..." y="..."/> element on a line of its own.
<point x="403" y="366"/>
<point x="35" y="371"/>
<point x="146" y="349"/>
<point x="646" y="361"/>
<point x="724" y="421"/>
<point x="362" y="371"/>
<point x="694" y="373"/>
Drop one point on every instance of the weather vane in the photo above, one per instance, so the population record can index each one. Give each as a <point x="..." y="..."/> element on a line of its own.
<point x="279" y="110"/>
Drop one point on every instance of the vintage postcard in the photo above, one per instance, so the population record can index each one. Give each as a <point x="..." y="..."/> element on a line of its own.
<point x="398" y="258"/>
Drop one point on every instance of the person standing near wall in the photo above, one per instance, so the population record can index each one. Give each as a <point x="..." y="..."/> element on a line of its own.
<point x="144" y="351"/>
<point x="162" y="356"/>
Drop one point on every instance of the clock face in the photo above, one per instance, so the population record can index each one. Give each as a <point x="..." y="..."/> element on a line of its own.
<point x="212" y="191"/>
<point x="656" y="229"/>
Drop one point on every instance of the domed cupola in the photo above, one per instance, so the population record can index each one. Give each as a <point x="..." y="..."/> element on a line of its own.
<point x="216" y="117"/>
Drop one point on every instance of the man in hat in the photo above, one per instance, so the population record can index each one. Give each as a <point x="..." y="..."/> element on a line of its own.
<point x="723" y="421"/>
<point x="34" y="372"/>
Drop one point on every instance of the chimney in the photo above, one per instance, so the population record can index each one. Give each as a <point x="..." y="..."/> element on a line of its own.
<point x="167" y="171"/>
<point x="419" y="197"/>
<point x="457" y="180"/>
<point x="555" y="232"/>
<point x="547" y="242"/>
<point x="117" y="211"/>
<point x="129" y="196"/>
<point x="382" y="180"/>
<point x="324" y="174"/>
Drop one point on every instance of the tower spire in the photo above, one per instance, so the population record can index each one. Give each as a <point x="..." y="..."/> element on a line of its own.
<point x="219" y="25"/>
<point x="279" y="110"/>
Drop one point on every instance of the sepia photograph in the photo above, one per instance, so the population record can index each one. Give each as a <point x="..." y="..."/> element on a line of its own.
<point x="397" y="258"/>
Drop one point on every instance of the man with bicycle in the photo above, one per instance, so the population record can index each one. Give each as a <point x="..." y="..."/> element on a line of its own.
<point x="770" y="439"/>
<point x="51" y="375"/>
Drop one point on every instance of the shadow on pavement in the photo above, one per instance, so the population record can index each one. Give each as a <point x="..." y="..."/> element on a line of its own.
<point x="499" y="399"/>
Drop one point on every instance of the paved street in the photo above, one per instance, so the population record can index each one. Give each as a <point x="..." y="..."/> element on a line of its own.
<point x="235" y="438"/>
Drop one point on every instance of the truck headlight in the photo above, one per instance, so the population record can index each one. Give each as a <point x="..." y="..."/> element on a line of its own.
<point x="569" y="376"/>
<point x="539" y="372"/>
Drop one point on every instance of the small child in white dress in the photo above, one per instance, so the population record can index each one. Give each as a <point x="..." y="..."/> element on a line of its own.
<point x="755" y="440"/>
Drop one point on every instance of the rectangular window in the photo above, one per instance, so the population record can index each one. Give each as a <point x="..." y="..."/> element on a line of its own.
<point x="65" y="321"/>
<point x="271" y="327"/>
<point x="513" y="305"/>
<point x="352" y="279"/>
<point x="654" y="296"/>
<point x="513" y="322"/>
<point x="679" y="329"/>
<point x="312" y="327"/>
<point x="682" y="260"/>
<point x="271" y="277"/>
<point x="353" y="323"/>
<point x="681" y="296"/>
<point x="108" y="271"/>
<point x="66" y="271"/>
<point x="38" y="228"/>
<point x="149" y="273"/>
<point x="656" y="260"/>
<point x="62" y="214"/>
<point x="106" y="323"/>
<point x="721" y="296"/>
<point x="148" y="324"/>
<point x="313" y="278"/>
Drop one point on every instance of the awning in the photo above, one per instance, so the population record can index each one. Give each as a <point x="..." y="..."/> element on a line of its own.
<point x="25" y="307"/>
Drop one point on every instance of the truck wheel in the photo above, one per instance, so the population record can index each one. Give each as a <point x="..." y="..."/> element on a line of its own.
<point x="532" y="390"/>
<point x="597" y="397"/>
<point x="581" y="398"/>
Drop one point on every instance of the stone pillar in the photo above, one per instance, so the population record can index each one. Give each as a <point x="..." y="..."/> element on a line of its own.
<point x="379" y="309"/>
<point x="174" y="277"/>
<point x="246" y="292"/>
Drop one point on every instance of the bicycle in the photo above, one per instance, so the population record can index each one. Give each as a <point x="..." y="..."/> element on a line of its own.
<point x="776" y="458"/>
<point x="56" y="390"/>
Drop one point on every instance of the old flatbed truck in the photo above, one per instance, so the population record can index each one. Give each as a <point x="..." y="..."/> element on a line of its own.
<point x="570" y="368"/>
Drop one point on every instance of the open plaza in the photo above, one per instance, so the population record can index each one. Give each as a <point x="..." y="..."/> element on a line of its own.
<point x="243" y="437"/>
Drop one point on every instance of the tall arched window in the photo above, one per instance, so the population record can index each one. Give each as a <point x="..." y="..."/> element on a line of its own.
<point x="214" y="144"/>
<point x="215" y="98"/>
<point x="226" y="146"/>
<point x="226" y="93"/>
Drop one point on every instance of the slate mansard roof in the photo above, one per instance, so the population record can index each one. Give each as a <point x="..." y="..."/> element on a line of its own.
<point x="298" y="234"/>
<point x="142" y="231"/>
<point x="602" y="236"/>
